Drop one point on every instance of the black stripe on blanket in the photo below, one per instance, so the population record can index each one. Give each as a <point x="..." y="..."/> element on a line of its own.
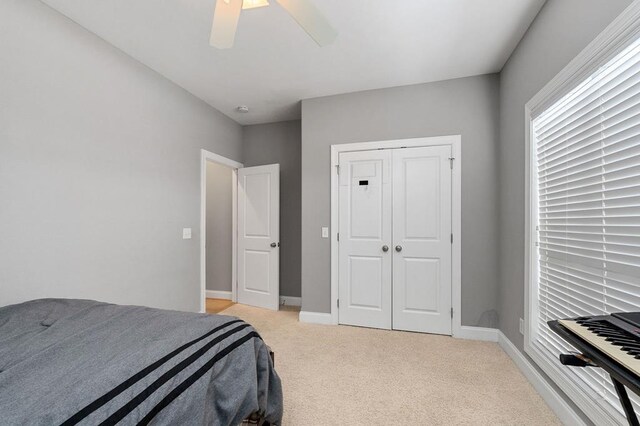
<point x="142" y="396"/>
<point x="194" y="377"/>
<point x="104" y="399"/>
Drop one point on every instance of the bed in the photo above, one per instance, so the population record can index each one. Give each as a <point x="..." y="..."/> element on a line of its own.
<point x="67" y="362"/>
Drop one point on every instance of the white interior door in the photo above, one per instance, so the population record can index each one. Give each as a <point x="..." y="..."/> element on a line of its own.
<point x="259" y="236"/>
<point x="422" y="239"/>
<point x="365" y="231"/>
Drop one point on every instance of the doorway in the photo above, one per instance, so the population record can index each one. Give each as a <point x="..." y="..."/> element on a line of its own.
<point x="218" y="228"/>
<point x="239" y="232"/>
<point x="395" y="216"/>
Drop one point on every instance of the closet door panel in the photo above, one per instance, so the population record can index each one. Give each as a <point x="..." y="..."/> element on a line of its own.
<point x="422" y="239"/>
<point x="365" y="229"/>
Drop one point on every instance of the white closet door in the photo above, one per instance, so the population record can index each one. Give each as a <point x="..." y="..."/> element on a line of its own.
<point x="259" y="236"/>
<point x="365" y="231"/>
<point x="422" y="239"/>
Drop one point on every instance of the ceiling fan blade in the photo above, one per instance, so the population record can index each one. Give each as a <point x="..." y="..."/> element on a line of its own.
<point x="311" y="20"/>
<point x="225" y="22"/>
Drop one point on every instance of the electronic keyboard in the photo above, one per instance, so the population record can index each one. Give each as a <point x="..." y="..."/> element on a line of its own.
<point x="611" y="342"/>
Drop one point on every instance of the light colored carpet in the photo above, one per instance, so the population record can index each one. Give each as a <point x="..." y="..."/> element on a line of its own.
<point x="339" y="375"/>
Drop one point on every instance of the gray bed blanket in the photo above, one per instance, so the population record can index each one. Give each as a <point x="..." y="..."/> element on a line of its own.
<point x="84" y="362"/>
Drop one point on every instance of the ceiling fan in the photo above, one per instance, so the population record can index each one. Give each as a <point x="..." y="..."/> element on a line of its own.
<point x="227" y="13"/>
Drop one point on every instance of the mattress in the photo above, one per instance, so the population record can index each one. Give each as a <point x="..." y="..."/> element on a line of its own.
<point x="84" y="362"/>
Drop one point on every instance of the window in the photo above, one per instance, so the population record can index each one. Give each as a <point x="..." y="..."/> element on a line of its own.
<point x="585" y="214"/>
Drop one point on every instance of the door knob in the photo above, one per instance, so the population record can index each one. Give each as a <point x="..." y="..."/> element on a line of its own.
<point x="385" y="248"/>
<point x="398" y="248"/>
<point x="274" y="245"/>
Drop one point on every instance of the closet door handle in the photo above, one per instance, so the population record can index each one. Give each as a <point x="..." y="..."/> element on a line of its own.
<point x="398" y="249"/>
<point x="385" y="248"/>
<point x="274" y="245"/>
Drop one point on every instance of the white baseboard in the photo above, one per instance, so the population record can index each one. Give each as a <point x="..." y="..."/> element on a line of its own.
<point x="563" y="410"/>
<point x="477" y="333"/>
<point x="216" y="294"/>
<point x="465" y="332"/>
<point x="290" y="301"/>
<point x="315" y="317"/>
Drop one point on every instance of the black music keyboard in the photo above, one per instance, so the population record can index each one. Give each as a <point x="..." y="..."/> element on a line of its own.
<point x="611" y="342"/>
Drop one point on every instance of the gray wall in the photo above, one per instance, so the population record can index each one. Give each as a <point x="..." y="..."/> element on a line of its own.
<point x="280" y="143"/>
<point x="219" y="226"/>
<point x="467" y="106"/>
<point x="99" y="168"/>
<point x="561" y="30"/>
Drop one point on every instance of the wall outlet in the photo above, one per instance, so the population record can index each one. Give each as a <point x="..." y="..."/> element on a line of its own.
<point x="521" y="326"/>
<point x="325" y="232"/>
<point x="186" y="233"/>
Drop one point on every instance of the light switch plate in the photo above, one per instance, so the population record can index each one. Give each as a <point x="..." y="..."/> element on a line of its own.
<point x="186" y="233"/>
<point x="325" y="232"/>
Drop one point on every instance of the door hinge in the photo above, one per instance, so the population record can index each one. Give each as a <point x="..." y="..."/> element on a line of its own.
<point x="338" y="302"/>
<point x="451" y="162"/>
<point x="338" y="236"/>
<point x="451" y="313"/>
<point x="338" y="168"/>
<point x="452" y="238"/>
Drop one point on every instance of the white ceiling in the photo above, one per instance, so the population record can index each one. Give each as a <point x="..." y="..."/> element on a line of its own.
<point x="274" y="64"/>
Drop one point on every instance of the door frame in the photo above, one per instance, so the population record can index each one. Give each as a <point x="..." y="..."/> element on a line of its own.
<point x="455" y="141"/>
<point x="206" y="156"/>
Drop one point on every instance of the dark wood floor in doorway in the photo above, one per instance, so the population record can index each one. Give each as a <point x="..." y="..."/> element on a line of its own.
<point x="218" y="305"/>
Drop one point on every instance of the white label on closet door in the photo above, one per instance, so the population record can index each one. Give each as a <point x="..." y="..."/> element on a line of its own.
<point x="365" y="199"/>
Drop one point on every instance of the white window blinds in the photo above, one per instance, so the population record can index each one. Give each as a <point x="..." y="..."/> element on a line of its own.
<point x="587" y="149"/>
